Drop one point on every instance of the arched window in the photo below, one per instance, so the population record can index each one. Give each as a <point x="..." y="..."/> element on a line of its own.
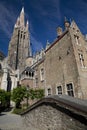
<point x="42" y="74"/>
<point x="30" y="74"/>
<point x="0" y="67"/>
<point x="49" y="91"/>
<point x="26" y="73"/>
<point x="9" y="83"/>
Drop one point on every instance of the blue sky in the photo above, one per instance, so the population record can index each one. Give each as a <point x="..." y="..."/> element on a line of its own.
<point x="44" y="17"/>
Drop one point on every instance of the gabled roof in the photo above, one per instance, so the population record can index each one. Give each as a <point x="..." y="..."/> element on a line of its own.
<point x="59" y="38"/>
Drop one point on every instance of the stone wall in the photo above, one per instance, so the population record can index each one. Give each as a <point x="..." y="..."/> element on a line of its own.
<point x="60" y="66"/>
<point x="53" y="116"/>
<point x="80" y="47"/>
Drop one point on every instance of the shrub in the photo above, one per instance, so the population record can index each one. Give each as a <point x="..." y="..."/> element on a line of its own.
<point x="4" y="99"/>
<point x="18" y="95"/>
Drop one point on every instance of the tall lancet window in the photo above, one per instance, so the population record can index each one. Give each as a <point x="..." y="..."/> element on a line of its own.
<point x="81" y="58"/>
<point x="77" y="39"/>
<point x="42" y="74"/>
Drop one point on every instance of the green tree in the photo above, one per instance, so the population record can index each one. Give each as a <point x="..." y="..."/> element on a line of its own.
<point x="4" y="98"/>
<point x="18" y="95"/>
<point x="36" y="94"/>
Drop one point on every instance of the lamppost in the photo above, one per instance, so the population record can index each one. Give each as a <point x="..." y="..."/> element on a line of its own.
<point x="27" y="87"/>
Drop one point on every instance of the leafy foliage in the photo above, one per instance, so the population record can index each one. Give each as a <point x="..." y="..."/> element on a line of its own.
<point x="36" y="94"/>
<point x="17" y="111"/>
<point x="4" y="98"/>
<point x="18" y="95"/>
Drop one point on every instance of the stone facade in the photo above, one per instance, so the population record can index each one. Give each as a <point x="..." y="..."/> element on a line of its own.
<point x="51" y="115"/>
<point x="2" y="56"/>
<point x="1" y="74"/>
<point x="64" y="66"/>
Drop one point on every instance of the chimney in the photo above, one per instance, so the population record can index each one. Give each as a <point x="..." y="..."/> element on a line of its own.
<point x="59" y="31"/>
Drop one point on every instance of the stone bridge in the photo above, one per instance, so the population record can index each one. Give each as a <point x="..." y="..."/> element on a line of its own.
<point x="56" y="113"/>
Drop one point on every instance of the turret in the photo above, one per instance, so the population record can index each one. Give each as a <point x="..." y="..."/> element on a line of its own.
<point x="27" y="25"/>
<point x="59" y="31"/>
<point x="66" y="23"/>
<point x="17" y="23"/>
<point x="47" y="45"/>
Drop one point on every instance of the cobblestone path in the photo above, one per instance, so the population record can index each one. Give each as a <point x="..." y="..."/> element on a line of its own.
<point x="10" y="121"/>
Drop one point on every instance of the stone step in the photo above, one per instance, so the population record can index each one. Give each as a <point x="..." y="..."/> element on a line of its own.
<point x="11" y="129"/>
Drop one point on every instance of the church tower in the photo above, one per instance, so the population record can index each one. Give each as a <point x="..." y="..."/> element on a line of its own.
<point x="19" y="46"/>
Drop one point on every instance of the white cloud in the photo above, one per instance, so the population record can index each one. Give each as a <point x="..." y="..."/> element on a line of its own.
<point x="48" y="10"/>
<point x="7" y="18"/>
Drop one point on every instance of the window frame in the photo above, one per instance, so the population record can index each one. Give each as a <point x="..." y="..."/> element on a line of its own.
<point x="42" y="74"/>
<point x="70" y="91"/>
<point x="59" y="92"/>
<point x="81" y="59"/>
<point x="49" y="91"/>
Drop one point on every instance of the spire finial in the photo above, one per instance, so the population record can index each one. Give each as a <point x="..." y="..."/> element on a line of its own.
<point x="65" y="19"/>
<point x="22" y="22"/>
<point x="47" y="44"/>
<point x="17" y="22"/>
<point x="22" y="10"/>
<point x="27" y="22"/>
<point x="27" y="25"/>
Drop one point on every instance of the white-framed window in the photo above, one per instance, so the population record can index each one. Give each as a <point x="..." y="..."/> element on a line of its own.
<point x="42" y="74"/>
<point x="49" y="91"/>
<point x="59" y="90"/>
<point x="81" y="58"/>
<point x="70" y="91"/>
